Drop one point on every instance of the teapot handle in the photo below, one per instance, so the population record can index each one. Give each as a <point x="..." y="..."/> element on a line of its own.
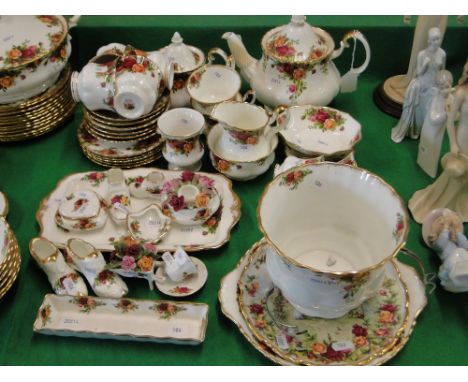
<point x="228" y="60"/>
<point x="344" y="44"/>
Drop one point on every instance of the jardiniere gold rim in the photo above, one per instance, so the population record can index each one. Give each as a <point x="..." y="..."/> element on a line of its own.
<point x="335" y="274"/>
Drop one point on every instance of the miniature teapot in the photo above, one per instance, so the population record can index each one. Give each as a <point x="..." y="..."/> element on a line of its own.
<point x="186" y="59"/>
<point x="297" y="64"/>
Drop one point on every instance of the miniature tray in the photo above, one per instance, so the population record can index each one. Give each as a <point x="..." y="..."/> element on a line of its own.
<point x="125" y="319"/>
<point x="228" y="298"/>
<point x="212" y="234"/>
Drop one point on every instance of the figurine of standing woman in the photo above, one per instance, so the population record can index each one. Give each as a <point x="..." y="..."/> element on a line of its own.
<point x="450" y="190"/>
<point x="420" y="90"/>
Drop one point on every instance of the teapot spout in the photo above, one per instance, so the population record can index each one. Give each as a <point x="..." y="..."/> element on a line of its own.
<point x="244" y="60"/>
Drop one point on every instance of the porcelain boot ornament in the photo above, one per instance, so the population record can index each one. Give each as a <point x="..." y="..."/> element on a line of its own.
<point x="91" y="264"/>
<point x="443" y="232"/>
<point x="118" y="196"/>
<point x="64" y="280"/>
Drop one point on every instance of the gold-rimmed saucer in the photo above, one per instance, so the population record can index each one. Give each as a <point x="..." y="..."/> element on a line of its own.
<point x="38" y="115"/>
<point x="9" y="268"/>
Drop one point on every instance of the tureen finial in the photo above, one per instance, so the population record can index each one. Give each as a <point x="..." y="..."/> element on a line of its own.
<point x="177" y="38"/>
<point x="298" y="19"/>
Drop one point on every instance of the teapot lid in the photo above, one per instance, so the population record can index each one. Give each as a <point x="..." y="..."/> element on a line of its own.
<point x="297" y="42"/>
<point x="186" y="58"/>
<point x="26" y="39"/>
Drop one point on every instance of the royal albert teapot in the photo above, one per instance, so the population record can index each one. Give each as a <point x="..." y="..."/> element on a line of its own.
<point x="297" y="64"/>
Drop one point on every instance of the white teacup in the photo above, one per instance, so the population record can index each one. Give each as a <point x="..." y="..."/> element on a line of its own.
<point x="178" y="266"/>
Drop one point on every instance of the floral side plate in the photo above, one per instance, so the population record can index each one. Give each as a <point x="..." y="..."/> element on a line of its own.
<point x="188" y="286"/>
<point x="211" y="234"/>
<point x="123" y="319"/>
<point x="229" y="292"/>
<point x="115" y="149"/>
<point x="319" y="130"/>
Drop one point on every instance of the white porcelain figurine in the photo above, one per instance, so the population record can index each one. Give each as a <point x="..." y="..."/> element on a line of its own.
<point x="432" y="133"/>
<point x="443" y="232"/>
<point x="420" y="90"/>
<point x="450" y="190"/>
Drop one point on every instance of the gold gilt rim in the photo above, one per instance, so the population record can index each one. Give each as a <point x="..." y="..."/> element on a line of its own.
<point x="46" y="54"/>
<point x="61" y="83"/>
<point x="235" y="210"/>
<point x="129" y="124"/>
<point x="335" y="274"/>
<point x="152" y="147"/>
<point x="84" y="126"/>
<point x="13" y="272"/>
<point x="33" y="133"/>
<point x="48" y="259"/>
<point x="297" y="360"/>
<point x="131" y="129"/>
<point x="200" y="339"/>
<point x="10" y="257"/>
<point x="125" y="160"/>
<point x="161" y="104"/>
<point x="43" y="117"/>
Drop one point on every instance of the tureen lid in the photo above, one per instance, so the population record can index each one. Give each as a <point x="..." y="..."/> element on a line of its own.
<point x="26" y="39"/>
<point x="186" y="58"/>
<point x="297" y="42"/>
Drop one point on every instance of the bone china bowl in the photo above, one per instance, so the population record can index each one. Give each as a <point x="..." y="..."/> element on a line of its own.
<point x="333" y="227"/>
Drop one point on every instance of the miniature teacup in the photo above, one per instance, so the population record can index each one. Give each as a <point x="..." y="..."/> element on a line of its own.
<point x="179" y="266"/>
<point x="182" y="128"/>
<point x="333" y="228"/>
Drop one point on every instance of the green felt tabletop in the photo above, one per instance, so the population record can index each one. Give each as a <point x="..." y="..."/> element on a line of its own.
<point x="30" y="170"/>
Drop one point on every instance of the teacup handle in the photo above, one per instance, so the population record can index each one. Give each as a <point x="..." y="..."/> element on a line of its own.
<point x="279" y="118"/>
<point x="228" y="60"/>
<point x="250" y="93"/>
<point x="73" y="21"/>
<point x="426" y="277"/>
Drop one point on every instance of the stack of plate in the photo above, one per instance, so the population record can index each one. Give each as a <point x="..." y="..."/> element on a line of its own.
<point x="38" y="115"/>
<point x="112" y="141"/>
<point x="10" y="258"/>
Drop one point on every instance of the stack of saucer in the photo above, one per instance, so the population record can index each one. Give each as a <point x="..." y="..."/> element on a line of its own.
<point x="10" y="258"/>
<point x="112" y="141"/>
<point x="37" y="115"/>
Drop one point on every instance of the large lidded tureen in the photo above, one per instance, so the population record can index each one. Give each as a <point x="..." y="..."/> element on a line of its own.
<point x="33" y="52"/>
<point x="297" y="64"/>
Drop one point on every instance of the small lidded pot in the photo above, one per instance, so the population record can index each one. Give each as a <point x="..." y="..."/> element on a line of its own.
<point x="182" y="128"/>
<point x="333" y="228"/>
<point x="186" y="59"/>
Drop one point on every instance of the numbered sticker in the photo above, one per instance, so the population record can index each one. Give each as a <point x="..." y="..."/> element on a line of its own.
<point x="343" y="346"/>
<point x="69" y="285"/>
<point x="179" y="330"/>
<point x="154" y="223"/>
<point x="186" y="229"/>
<point x="82" y="194"/>
<point x="167" y="258"/>
<point x="120" y="207"/>
<point x="282" y="341"/>
<point x="71" y="321"/>
<point x="181" y="257"/>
